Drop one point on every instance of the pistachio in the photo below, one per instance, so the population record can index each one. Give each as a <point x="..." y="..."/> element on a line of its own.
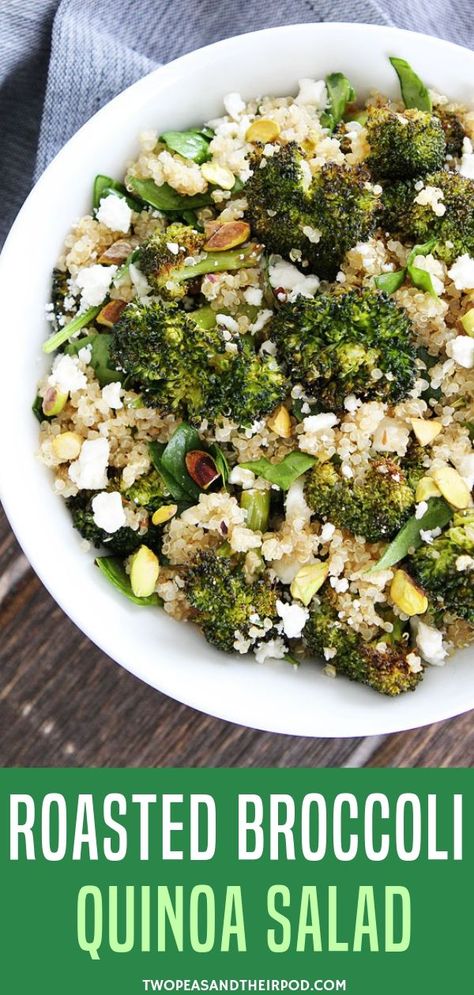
<point x="425" y="429"/>
<point x="452" y="487"/>
<point x="467" y="322"/>
<point x="219" y="176"/>
<point x="228" y="235"/>
<point x="163" y="514"/>
<point x="406" y="595"/>
<point x="144" y="572"/>
<point x="262" y="130"/>
<point x="53" y="402"/>
<point x="116" y="253"/>
<point x="201" y="468"/>
<point x="111" y="313"/>
<point x="426" y="488"/>
<point x="308" y="580"/>
<point x="280" y="422"/>
<point x="67" y="446"/>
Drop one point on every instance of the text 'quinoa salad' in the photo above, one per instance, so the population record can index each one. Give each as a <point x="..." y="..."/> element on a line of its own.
<point x="260" y="407"/>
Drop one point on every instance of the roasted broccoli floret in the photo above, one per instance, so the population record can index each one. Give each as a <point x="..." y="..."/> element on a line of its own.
<point x="181" y="365"/>
<point x="404" y="145"/>
<point x="149" y="491"/>
<point x="418" y="223"/>
<point x="314" y="223"/>
<point x="121" y="543"/>
<point x="445" y="566"/>
<point x="60" y="293"/>
<point x="374" y="506"/>
<point x="225" y="604"/>
<point x="454" y="133"/>
<point x="340" y="344"/>
<point x="166" y="259"/>
<point x="381" y="663"/>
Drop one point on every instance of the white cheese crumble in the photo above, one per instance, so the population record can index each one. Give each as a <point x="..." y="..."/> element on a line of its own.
<point x="464" y="563"/>
<point x="327" y="532"/>
<point x="421" y="509"/>
<point x="466" y="167"/>
<point x="261" y="320"/>
<point x="312" y="92"/>
<point x="115" y="213"/>
<point x="351" y="403"/>
<point x="391" y="436"/>
<point x="89" y="472"/>
<point x="283" y="274"/>
<point x="430" y="644"/>
<point x="431" y="197"/>
<point x="461" y="349"/>
<point x="294" y="619"/>
<point x="312" y="234"/>
<point x="227" y="322"/>
<point x="241" y="478"/>
<point x="274" y="649"/>
<point x="139" y="280"/>
<point x="94" y="282"/>
<point x="462" y="272"/>
<point x="111" y="394"/>
<point x="296" y="508"/>
<point x="108" y="511"/>
<point x="320" y="423"/>
<point x="67" y="375"/>
<point x="85" y="355"/>
<point x="414" y="663"/>
<point x="234" y="105"/>
<point x="253" y="296"/>
<point x="173" y="247"/>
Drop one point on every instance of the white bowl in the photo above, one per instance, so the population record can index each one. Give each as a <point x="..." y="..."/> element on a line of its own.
<point x="166" y="654"/>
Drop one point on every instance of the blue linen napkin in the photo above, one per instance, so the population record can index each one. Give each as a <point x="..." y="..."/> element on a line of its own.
<point x="60" y="60"/>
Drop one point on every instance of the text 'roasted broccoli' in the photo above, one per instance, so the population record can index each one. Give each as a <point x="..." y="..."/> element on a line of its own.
<point x="376" y="506"/>
<point x="225" y="604"/>
<point x="352" y="343"/>
<point x="445" y="566"/>
<point x="313" y="221"/>
<point x="381" y="663"/>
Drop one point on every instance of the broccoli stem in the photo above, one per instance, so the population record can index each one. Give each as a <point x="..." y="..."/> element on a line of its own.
<point x="257" y="505"/>
<point x="218" y="262"/>
<point x="80" y="321"/>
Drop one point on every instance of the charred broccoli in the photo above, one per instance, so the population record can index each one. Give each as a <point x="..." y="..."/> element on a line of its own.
<point x="454" y="133"/>
<point x="338" y="344"/>
<point x="415" y="222"/>
<point x="149" y="491"/>
<point x="180" y="364"/>
<point x="225" y="604"/>
<point x="376" y="506"/>
<point x="121" y="543"/>
<point x="312" y="223"/>
<point x="381" y="663"/>
<point x="444" y="567"/>
<point x="404" y="145"/>
<point x="167" y="259"/>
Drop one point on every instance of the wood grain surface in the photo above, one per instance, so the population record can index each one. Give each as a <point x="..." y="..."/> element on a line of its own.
<point x="64" y="703"/>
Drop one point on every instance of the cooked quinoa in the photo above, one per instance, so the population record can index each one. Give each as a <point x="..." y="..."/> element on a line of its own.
<point x="314" y="375"/>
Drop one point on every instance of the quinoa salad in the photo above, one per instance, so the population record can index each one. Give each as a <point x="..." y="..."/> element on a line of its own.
<point x="259" y="411"/>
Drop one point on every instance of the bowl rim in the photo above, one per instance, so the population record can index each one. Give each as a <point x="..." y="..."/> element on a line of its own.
<point x="162" y="76"/>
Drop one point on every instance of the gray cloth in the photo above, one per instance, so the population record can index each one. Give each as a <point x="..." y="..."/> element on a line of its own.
<point x="60" y="60"/>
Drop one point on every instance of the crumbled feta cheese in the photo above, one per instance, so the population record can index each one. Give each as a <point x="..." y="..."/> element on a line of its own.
<point x="296" y="508"/>
<point x="321" y="422"/>
<point x="414" y="663"/>
<point x="94" y="282"/>
<point x="234" y="105"/>
<point x="466" y="167"/>
<point x="115" y="213"/>
<point x="312" y="234"/>
<point x="243" y="539"/>
<point x="241" y="645"/>
<point x="241" y="478"/>
<point x="268" y="347"/>
<point x="89" y="472"/>
<point x="351" y="403"/>
<point x="327" y="532"/>
<point x="67" y="375"/>
<point x="465" y="466"/>
<point x="274" y="649"/>
<point x="111" y="394"/>
<point x="329" y="652"/>
<point x="462" y="272"/>
<point x="85" y="355"/>
<point x="227" y="322"/>
<point x="283" y="274"/>
<point x="464" y="563"/>
<point x="261" y="320"/>
<point x="173" y="248"/>
<point x="139" y="280"/>
<point x="431" y="197"/>
<point x="312" y="92"/>
<point x="340" y="584"/>
<point x="391" y="436"/>
<point x="435" y="269"/>
<point x="108" y="511"/>
<point x="420" y="509"/>
<point x="430" y="644"/>
<point x="346" y="471"/>
<point x="427" y="535"/>
<point x="253" y="296"/>
<point x="461" y="349"/>
<point x="294" y="618"/>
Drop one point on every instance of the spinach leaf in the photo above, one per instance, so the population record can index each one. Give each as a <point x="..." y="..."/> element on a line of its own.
<point x="169" y="460"/>
<point x="99" y="343"/>
<point x="470" y="428"/>
<point x="64" y="334"/>
<point x="164" y="198"/>
<point x="190" y="144"/>
<point x="37" y="409"/>
<point x="340" y="93"/>
<point x="104" y="185"/>
<point x="284" y="473"/>
<point x="220" y="460"/>
<point x="437" y="515"/>
<point x="113" y="570"/>
<point x="390" y="282"/>
<point x="419" y="277"/>
<point x="414" y="91"/>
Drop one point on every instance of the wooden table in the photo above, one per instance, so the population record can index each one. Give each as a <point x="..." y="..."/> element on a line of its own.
<point x="63" y="703"/>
